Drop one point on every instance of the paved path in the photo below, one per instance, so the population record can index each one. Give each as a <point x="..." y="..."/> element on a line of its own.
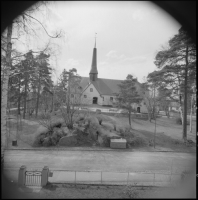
<point x="60" y="162"/>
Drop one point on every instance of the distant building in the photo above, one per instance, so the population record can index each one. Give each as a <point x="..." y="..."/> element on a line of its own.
<point x="174" y="106"/>
<point x="103" y="91"/>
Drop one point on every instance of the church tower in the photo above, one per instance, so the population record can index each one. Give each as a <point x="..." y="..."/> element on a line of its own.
<point x="93" y="74"/>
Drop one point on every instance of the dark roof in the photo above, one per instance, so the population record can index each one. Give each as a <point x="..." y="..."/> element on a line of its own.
<point x="94" y="62"/>
<point x="103" y="86"/>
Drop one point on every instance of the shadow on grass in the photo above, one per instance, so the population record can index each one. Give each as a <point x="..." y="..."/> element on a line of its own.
<point x="162" y="140"/>
<point x="50" y="186"/>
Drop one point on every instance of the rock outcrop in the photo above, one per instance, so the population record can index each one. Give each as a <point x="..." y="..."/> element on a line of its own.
<point x="68" y="141"/>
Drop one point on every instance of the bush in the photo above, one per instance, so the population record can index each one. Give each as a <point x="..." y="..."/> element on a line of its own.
<point x="178" y="120"/>
<point x="80" y="118"/>
<point x="58" y="133"/>
<point x="38" y="141"/>
<point x="98" y="111"/>
<point x="99" y="117"/>
<point x="49" y="138"/>
<point x="47" y="142"/>
<point x="135" y="142"/>
<point x="84" y="140"/>
<point x="54" y="140"/>
<point x="106" y="141"/>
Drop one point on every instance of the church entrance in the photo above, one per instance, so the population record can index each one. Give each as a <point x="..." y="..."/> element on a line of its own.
<point x="138" y="109"/>
<point x="95" y="100"/>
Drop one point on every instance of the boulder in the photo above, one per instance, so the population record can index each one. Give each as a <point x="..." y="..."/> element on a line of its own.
<point x="41" y="129"/>
<point x="68" y="141"/>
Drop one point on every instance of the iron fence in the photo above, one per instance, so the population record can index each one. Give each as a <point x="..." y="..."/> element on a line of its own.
<point x="33" y="178"/>
<point x="115" y="178"/>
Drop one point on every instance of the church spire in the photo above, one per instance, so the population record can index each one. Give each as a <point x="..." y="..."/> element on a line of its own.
<point x="93" y="74"/>
<point x="95" y="40"/>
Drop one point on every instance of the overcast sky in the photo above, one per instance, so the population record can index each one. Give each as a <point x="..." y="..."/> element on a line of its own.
<point x="129" y="34"/>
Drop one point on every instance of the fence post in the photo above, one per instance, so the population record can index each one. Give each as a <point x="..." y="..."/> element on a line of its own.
<point x="128" y="178"/>
<point x="154" y="180"/>
<point x="171" y="170"/>
<point x="44" y="176"/>
<point x="101" y="177"/>
<point x="75" y="177"/>
<point x="21" y="177"/>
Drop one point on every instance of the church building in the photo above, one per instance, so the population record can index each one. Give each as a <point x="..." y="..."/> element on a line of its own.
<point x="102" y="91"/>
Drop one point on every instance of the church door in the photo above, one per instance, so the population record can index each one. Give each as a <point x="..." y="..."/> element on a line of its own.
<point x="138" y="109"/>
<point x="95" y="100"/>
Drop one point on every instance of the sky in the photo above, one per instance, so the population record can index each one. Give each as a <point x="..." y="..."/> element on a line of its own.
<point x="129" y="34"/>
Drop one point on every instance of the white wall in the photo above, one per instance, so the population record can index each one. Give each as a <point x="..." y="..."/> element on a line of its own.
<point x="143" y="108"/>
<point x="90" y="95"/>
<point x="107" y="100"/>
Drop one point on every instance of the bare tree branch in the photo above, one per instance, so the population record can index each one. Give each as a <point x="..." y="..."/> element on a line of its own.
<point x="57" y="36"/>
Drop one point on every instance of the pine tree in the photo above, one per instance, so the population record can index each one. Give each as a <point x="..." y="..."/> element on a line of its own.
<point x="177" y="72"/>
<point x="128" y="95"/>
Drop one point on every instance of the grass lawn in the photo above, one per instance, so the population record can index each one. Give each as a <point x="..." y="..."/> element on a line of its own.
<point x="168" y="134"/>
<point x="71" y="191"/>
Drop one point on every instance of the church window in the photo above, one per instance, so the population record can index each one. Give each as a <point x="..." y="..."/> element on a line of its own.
<point x="111" y="98"/>
<point x="91" y="89"/>
<point x="103" y="98"/>
<point x="85" y="96"/>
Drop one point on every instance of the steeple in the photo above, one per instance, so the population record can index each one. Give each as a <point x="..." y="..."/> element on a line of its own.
<point x="93" y="74"/>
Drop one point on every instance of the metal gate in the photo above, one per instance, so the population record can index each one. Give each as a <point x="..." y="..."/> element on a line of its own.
<point x="33" y="178"/>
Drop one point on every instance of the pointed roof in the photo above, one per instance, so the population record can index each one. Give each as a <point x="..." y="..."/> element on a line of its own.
<point x="94" y="61"/>
<point x="106" y="86"/>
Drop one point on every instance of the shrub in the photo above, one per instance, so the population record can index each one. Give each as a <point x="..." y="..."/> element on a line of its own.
<point x="178" y="120"/>
<point x="80" y="118"/>
<point x="47" y="142"/>
<point x="151" y="143"/>
<point x="106" y="141"/>
<point x="99" y="117"/>
<point x="58" y="133"/>
<point x="57" y="124"/>
<point x="38" y="141"/>
<point x="136" y="141"/>
<point x="84" y="140"/>
<point x="54" y="140"/>
<point x="98" y="111"/>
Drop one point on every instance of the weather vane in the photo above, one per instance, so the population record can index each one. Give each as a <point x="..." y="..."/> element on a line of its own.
<point x="95" y="40"/>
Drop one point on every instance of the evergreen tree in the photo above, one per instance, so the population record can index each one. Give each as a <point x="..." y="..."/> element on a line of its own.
<point x="177" y="72"/>
<point x="128" y="95"/>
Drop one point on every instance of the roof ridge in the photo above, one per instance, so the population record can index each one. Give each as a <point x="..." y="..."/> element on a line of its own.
<point x="111" y="79"/>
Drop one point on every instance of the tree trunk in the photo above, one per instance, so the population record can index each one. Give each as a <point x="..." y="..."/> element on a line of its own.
<point x="52" y="111"/>
<point x="130" y="118"/>
<point x="19" y="98"/>
<point x="191" y="114"/>
<point x="185" y="98"/>
<point x="38" y="96"/>
<point x="25" y="98"/>
<point x="5" y="91"/>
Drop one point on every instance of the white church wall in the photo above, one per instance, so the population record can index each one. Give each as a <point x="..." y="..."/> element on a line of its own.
<point x="90" y="95"/>
<point x="107" y="100"/>
<point x="143" y="108"/>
